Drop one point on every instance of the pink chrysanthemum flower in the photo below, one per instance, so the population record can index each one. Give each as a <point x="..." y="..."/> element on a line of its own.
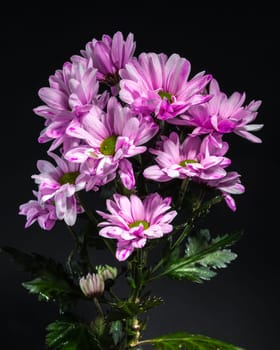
<point x="43" y="213"/>
<point x="111" y="138"/>
<point x="132" y="222"/>
<point x="223" y="115"/>
<point x="193" y="158"/>
<point x="109" y="55"/>
<point x="228" y="185"/>
<point x="59" y="186"/>
<point x="72" y="92"/>
<point x="157" y="84"/>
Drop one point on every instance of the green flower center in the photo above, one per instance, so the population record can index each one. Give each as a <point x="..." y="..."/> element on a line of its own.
<point x="167" y="95"/>
<point x="138" y="223"/>
<point x="185" y="162"/>
<point x="108" y="145"/>
<point x="69" y="178"/>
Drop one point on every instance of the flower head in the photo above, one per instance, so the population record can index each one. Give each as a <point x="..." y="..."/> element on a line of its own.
<point x="154" y="83"/>
<point x="109" y="55"/>
<point x="223" y="115"/>
<point x="59" y="185"/>
<point x="107" y="272"/>
<point x="72" y="92"/>
<point x="110" y="138"/>
<point x="92" y="285"/>
<point x="197" y="158"/>
<point x="43" y="213"/>
<point x="132" y="221"/>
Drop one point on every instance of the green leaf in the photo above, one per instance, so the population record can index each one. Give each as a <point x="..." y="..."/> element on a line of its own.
<point x="98" y="326"/>
<point x="218" y="259"/>
<point x="50" y="282"/>
<point x="52" y="287"/>
<point x="185" y="341"/>
<point x="196" y="274"/>
<point x="197" y="243"/>
<point x="63" y="335"/>
<point x="202" y="257"/>
<point x="116" y="331"/>
<point x="32" y="262"/>
<point x="126" y="309"/>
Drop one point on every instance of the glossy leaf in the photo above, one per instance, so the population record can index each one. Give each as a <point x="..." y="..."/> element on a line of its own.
<point x="185" y="341"/>
<point x="63" y="335"/>
<point x="53" y="287"/>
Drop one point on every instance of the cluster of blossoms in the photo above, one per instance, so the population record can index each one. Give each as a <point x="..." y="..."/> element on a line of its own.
<point x="96" y="135"/>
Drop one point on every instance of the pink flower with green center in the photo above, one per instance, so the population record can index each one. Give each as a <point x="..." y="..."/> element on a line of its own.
<point x="203" y="159"/>
<point x="154" y="83"/>
<point x="132" y="221"/>
<point x="223" y="115"/>
<point x="109" y="55"/>
<point x="72" y="92"/>
<point x="58" y="185"/>
<point x="43" y="213"/>
<point x="111" y="138"/>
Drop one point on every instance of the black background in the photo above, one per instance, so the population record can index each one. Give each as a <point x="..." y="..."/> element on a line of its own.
<point x="238" y="46"/>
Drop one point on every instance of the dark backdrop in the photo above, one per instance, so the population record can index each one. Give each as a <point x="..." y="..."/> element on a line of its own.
<point x="238" y="46"/>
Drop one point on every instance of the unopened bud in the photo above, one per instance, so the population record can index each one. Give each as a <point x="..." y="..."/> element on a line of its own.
<point x="108" y="272"/>
<point x="92" y="285"/>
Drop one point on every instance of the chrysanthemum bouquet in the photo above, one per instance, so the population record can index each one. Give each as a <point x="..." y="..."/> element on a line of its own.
<point x="138" y="159"/>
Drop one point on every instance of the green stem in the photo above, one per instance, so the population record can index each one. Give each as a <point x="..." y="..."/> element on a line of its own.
<point x="184" y="234"/>
<point x="189" y="225"/>
<point x="89" y="213"/>
<point x="182" y="192"/>
<point x="143" y="187"/>
<point x="85" y="255"/>
<point x="133" y="324"/>
<point x="94" y="221"/>
<point x="161" y="261"/>
<point x="157" y="266"/>
<point x="98" y="307"/>
<point x="74" y="250"/>
<point x="146" y="341"/>
<point x="109" y="246"/>
<point x="113" y="295"/>
<point x="73" y="234"/>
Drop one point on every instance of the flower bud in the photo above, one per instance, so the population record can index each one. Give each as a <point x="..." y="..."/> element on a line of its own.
<point x="92" y="285"/>
<point x="107" y="272"/>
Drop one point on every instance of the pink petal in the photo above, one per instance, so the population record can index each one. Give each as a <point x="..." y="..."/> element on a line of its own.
<point x="126" y="174"/>
<point x="230" y="202"/>
<point x="155" y="173"/>
<point x="123" y="251"/>
<point x="137" y="208"/>
<point x="54" y="98"/>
